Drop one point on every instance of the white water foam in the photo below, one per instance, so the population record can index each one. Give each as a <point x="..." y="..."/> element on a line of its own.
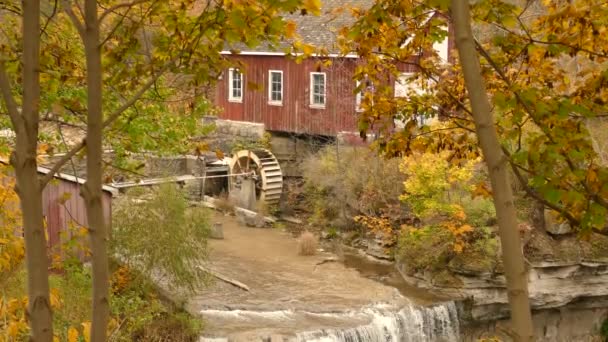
<point x="249" y="315"/>
<point x="410" y="324"/>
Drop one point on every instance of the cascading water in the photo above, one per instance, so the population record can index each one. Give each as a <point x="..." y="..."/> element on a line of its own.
<point x="378" y="323"/>
<point x="410" y="324"/>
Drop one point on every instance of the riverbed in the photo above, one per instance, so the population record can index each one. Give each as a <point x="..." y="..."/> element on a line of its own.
<point x="324" y="297"/>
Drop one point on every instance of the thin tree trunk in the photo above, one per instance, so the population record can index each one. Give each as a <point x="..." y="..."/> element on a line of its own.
<point x="515" y="270"/>
<point x="28" y="187"/>
<point x="92" y="191"/>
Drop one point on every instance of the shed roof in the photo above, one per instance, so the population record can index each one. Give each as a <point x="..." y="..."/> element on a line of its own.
<point x="75" y="179"/>
<point x="69" y="178"/>
<point x="319" y="31"/>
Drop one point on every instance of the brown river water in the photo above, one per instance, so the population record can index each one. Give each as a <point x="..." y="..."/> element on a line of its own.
<point x="294" y="298"/>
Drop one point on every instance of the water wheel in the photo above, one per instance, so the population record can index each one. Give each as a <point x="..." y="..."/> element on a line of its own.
<point x="264" y="167"/>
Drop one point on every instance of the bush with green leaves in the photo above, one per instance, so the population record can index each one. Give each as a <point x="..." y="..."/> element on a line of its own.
<point x="162" y="237"/>
<point x="430" y="249"/>
<point x="425" y="249"/>
<point x="480" y="211"/>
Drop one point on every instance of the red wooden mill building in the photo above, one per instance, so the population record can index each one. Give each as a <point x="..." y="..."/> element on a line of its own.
<point x="301" y="98"/>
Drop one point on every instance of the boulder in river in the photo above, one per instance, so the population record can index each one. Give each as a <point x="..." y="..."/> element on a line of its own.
<point x="217" y="231"/>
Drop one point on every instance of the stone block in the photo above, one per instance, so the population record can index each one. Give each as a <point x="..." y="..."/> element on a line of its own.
<point x="217" y="231"/>
<point x="552" y="226"/>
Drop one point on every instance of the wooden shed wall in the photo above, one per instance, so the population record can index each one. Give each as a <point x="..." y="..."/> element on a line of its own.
<point x="59" y="216"/>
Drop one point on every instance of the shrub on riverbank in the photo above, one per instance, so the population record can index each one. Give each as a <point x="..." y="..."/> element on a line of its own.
<point x="162" y="237"/>
<point x="307" y="244"/>
<point x="430" y="248"/>
<point x="342" y="182"/>
<point x="137" y="313"/>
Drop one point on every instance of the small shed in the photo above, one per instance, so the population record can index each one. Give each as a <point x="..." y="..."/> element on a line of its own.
<point x="62" y="204"/>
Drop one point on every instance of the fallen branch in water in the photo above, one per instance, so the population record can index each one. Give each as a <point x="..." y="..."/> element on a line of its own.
<point x="326" y="260"/>
<point x="225" y="279"/>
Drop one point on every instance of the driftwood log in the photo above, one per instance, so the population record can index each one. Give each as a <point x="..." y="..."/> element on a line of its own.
<point x="225" y="279"/>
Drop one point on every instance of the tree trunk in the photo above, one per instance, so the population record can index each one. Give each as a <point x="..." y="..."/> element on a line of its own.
<point x="515" y="270"/>
<point x="92" y="190"/>
<point x="28" y="187"/>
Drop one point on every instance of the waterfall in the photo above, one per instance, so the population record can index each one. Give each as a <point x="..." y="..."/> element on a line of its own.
<point x="410" y="324"/>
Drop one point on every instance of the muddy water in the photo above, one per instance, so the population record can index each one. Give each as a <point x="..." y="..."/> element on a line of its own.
<point x="386" y="273"/>
<point x="296" y="298"/>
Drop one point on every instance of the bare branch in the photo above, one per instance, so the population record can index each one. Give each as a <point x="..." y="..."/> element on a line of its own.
<point x="59" y="164"/>
<point x="11" y="104"/>
<point x="50" y="17"/>
<point x="77" y="23"/>
<point x="114" y="115"/>
<point x="5" y="6"/>
<point x="65" y="144"/>
<point x="119" y="6"/>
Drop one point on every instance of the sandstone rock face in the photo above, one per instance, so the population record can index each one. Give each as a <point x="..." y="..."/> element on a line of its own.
<point x="569" y="324"/>
<point x="554" y="227"/>
<point x="551" y="285"/>
<point x="376" y="248"/>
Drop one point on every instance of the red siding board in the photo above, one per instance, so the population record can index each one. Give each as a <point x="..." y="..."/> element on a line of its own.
<point x="60" y="216"/>
<point x="295" y="114"/>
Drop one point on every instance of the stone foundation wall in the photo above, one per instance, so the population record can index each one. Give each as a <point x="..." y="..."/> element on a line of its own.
<point x="572" y="323"/>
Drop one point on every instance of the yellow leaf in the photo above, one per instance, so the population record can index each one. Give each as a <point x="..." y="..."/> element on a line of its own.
<point x="55" y="298"/>
<point x="458" y="247"/>
<point x="308" y="49"/>
<point x="64" y="197"/>
<point x="591" y="175"/>
<point x="313" y="6"/>
<point x="86" y="331"/>
<point x="72" y="335"/>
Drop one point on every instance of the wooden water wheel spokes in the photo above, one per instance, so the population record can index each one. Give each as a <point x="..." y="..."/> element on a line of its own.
<point x="264" y="167"/>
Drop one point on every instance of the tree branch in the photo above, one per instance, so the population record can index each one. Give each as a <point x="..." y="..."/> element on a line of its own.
<point x="11" y="104"/>
<point x="111" y="118"/>
<point x="77" y="23"/>
<point x="10" y="8"/>
<point x="59" y="164"/>
<point x="119" y="6"/>
<point x="114" y="115"/>
<point x="50" y="17"/>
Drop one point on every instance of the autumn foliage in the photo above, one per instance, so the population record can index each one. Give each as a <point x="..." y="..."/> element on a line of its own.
<point x="544" y="67"/>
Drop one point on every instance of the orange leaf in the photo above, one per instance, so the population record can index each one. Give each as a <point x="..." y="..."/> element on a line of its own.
<point x="482" y="190"/>
<point x="290" y="29"/>
<point x="219" y="154"/>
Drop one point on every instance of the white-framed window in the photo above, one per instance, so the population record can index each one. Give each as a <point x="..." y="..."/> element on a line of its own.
<point x="317" y="90"/>
<point x="275" y="87"/>
<point x="235" y="85"/>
